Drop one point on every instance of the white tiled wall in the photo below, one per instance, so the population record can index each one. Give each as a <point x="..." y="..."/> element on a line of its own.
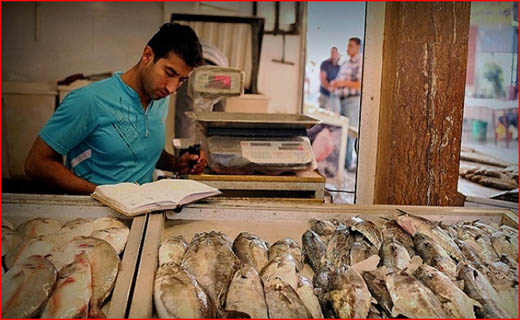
<point x="96" y="37"/>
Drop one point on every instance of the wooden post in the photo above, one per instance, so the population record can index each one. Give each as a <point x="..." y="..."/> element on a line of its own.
<point x="422" y="99"/>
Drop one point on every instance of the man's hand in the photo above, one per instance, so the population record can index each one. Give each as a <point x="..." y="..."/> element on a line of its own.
<point x="183" y="163"/>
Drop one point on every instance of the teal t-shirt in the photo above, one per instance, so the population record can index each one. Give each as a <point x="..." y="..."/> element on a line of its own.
<point x="106" y="134"/>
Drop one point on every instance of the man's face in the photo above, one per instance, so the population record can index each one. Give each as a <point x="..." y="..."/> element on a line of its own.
<point x="334" y="54"/>
<point x="163" y="77"/>
<point x="352" y="48"/>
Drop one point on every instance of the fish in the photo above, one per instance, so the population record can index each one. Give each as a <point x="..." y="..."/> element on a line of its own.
<point x="306" y="292"/>
<point x="337" y="252"/>
<point x="512" y="232"/>
<point x="504" y="245"/>
<point x="252" y="249"/>
<point x="78" y="227"/>
<point x="38" y="227"/>
<point x="70" y="299"/>
<point x="480" y="241"/>
<point x="246" y="293"/>
<point x="210" y="258"/>
<point x="324" y="228"/>
<point x="283" y="301"/>
<point x="392" y="231"/>
<point x="178" y="294"/>
<point x="413" y="224"/>
<point x="284" y="247"/>
<point x="27" y="286"/>
<point x="490" y="229"/>
<point x="394" y="255"/>
<point x="434" y="255"/>
<point x="478" y="287"/>
<point x="104" y="264"/>
<point x="10" y="240"/>
<point x="504" y="280"/>
<point x="313" y="249"/>
<point x="284" y="267"/>
<point x="361" y="250"/>
<point x="108" y="222"/>
<point x="377" y="287"/>
<point x="116" y="237"/>
<point x="411" y="298"/>
<point x="469" y="253"/>
<point x="454" y="301"/>
<point x="349" y="294"/>
<point x="320" y="282"/>
<point x="172" y="250"/>
<point x="368" y="229"/>
<point x="27" y="248"/>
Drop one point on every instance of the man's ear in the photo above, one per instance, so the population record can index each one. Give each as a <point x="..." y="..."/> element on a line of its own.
<point x="148" y="55"/>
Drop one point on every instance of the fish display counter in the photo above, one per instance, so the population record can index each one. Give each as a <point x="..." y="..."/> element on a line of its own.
<point x="224" y="259"/>
<point x="66" y="257"/>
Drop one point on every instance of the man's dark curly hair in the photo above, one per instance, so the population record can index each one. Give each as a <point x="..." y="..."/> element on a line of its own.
<point x="179" y="39"/>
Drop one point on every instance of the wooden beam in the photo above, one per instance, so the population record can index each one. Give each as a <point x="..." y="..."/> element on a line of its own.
<point x="422" y="99"/>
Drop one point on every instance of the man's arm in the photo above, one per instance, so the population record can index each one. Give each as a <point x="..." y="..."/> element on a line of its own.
<point x="323" y="79"/>
<point x="45" y="164"/>
<point x="169" y="162"/>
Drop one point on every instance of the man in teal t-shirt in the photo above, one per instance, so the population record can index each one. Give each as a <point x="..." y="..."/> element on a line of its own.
<point x="114" y="130"/>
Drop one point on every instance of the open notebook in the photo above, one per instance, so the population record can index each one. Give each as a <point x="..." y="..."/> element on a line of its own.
<point x="132" y="199"/>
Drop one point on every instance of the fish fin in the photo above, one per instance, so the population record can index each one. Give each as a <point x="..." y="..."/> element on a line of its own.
<point x="369" y="264"/>
<point x="475" y="303"/>
<point x="395" y="311"/>
<point x="373" y="300"/>
<point x="401" y="211"/>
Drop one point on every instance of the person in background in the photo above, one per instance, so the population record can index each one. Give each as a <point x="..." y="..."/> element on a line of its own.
<point x="328" y="72"/>
<point x="347" y="86"/>
<point x="184" y="126"/>
<point x="113" y="130"/>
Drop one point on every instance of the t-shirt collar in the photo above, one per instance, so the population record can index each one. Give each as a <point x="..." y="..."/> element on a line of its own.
<point x="131" y="92"/>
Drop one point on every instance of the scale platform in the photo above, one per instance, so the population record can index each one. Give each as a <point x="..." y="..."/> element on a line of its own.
<point x="309" y="185"/>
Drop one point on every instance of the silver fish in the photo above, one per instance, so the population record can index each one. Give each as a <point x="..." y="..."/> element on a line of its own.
<point x="70" y="298"/>
<point x="349" y="293"/>
<point x="313" y="249"/>
<point x="320" y="282"/>
<point x="172" y="250"/>
<point x="104" y="265"/>
<point x="246" y="293"/>
<point x="116" y="237"/>
<point x="411" y="298"/>
<point x="108" y="222"/>
<point x="324" y="228"/>
<point x="368" y="229"/>
<point x="338" y="249"/>
<point x="413" y="224"/>
<point x="361" y="250"/>
<point x="252" y="249"/>
<point x="26" y="287"/>
<point x="504" y="280"/>
<point x="434" y="255"/>
<point x="284" y="247"/>
<point x="210" y="258"/>
<point x="377" y="288"/>
<point x="283" y="301"/>
<point x="27" y="248"/>
<point x="454" y="301"/>
<point x="394" y="255"/>
<point x="478" y="287"/>
<point x="10" y="240"/>
<point x="469" y="253"/>
<point x="504" y="245"/>
<point x="480" y="241"/>
<point x="178" y="294"/>
<point x="392" y="231"/>
<point x="38" y="227"/>
<point x="306" y="292"/>
<point x="284" y="267"/>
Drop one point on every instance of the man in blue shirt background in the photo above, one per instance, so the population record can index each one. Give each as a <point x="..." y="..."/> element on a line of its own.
<point x="328" y="72"/>
<point x="113" y="131"/>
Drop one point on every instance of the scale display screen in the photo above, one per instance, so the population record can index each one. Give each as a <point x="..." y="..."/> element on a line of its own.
<point x="220" y="81"/>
